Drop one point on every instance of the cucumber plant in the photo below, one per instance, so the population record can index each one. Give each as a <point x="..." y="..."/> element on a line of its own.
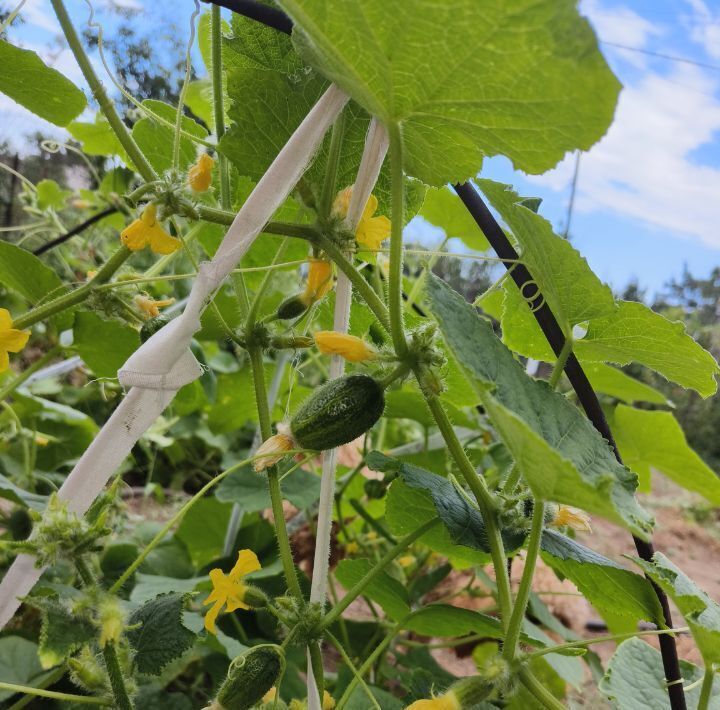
<point x="265" y="214"/>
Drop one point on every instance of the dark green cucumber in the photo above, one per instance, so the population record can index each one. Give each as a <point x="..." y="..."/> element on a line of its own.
<point x="150" y="327"/>
<point x="338" y="412"/>
<point x="249" y="677"/>
<point x="292" y="307"/>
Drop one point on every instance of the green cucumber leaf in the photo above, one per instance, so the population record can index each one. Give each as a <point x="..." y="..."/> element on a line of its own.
<point x="655" y="441"/>
<point x="444" y="620"/>
<point x="615" y="383"/>
<point x="98" y="138"/>
<point x="27" y="80"/>
<point x="250" y="490"/>
<point x="155" y="139"/>
<point x="388" y="592"/>
<point x="701" y="613"/>
<point x="104" y="345"/>
<point x="444" y="209"/>
<point x="521" y="78"/>
<point x="463" y="522"/>
<point x="635" y="333"/>
<point x="160" y="636"/>
<point x="571" y="289"/>
<point x="19" y="663"/>
<point x="635" y="679"/>
<point x="609" y="587"/>
<point x="22" y="272"/>
<point x="562" y="457"/>
<point x="50" y="195"/>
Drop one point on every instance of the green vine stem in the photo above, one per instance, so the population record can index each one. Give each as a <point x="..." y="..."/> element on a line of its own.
<point x="357" y="589"/>
<point x="218" y="98"/>
<point x="367" y="664"/>
<point x="252" y="313"/>
<point x="117" y="681"/>
<point x="560" y="363"/>
<point x="98" y="91"/>
<point x="485" y="502"/>
<point x="74" y="297"/>
<point x="706" y="689"/>
<point x="11" y="386"/>
<point x="540" y="692"/>
<point x="604" y="639"/>
<point x="258" y="375"/>
<point x="316" y="663"/>
<point x="356" y="675"/>
<point x="397" y="328"/>
<point x="514" y="628"/>
<point x="53" y="695"/>
<point x="365" y="290"/>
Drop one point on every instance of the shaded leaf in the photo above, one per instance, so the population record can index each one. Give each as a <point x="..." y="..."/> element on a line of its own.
<point x="611" y="381"/>
<point x="444" y="209"/>
<point x="444" y="620"/>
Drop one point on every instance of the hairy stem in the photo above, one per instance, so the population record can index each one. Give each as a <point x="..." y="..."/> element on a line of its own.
<point x="485" y="503"/>
<point x="329" y="184"/>
<point x="561" y="362"/>
<point x="356" y="674"/>
<point x="521" y="599"/>
<point x="541" y="693"/>
<point x="281" y="533"/>
<point x="117" y="681"/>
<point x="53" y="695"/>
<point x="316" y="662"/>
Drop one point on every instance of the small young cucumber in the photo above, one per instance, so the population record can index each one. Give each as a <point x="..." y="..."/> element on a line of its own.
<point x="249" y="677"/>
<point x="338" y="412"/>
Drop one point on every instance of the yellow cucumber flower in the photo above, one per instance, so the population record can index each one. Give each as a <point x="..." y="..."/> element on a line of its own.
<point x="11" y="339"/>
<point x="370" y="231"/>
<point x="353" y="349"/>
<point x="572" y="518"/>
<point x="328" y="702"/>
<point x="272" y="450"/>
<point x="406" y="560"/>
<point x="352" y="548"/>
<point x="319" y="281"/>
<point x="228" y="589"/>
<point x="150" y="307"/>
<point x="147" y="230"/>
<point x="200" y="174"/>
<point x="448" y="701"/>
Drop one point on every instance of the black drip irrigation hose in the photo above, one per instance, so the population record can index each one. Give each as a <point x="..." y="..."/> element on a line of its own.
<point x="552" y="331"/>
<point x="75" y="230"/>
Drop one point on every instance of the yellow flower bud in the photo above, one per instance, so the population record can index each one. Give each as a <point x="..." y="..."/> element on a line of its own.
<point x="112" y="622"/>
<point x="443" y="702"/>
<point x="200" y="174"/>
<point x="350" y="347"/>
<point x="572" y="518"/>
<point x="352" y="548"/>
<point x="272" y="450"/>
<point x="270" y="695"/>
<point x="319" y="281"/>
<point x="328" y="702"/>
<point x="150" y="307"/>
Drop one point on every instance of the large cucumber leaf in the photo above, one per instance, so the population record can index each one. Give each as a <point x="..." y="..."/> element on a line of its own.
<point x="561" y="455"/>
<point x="521" y="78"/>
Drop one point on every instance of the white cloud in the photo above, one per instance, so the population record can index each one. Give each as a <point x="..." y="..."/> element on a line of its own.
<point x="645" y="167"/>
<point x="704" y="27"/>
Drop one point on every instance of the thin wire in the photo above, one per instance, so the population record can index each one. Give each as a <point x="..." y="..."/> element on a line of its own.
<point x="661" y="55"/>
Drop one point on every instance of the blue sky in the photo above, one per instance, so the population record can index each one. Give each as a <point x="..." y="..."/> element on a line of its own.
<point x="648" y="196"/>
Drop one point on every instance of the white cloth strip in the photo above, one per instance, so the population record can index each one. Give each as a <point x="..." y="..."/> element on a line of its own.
<point x="376" y="146"/>
<point x="164" y="362"/>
